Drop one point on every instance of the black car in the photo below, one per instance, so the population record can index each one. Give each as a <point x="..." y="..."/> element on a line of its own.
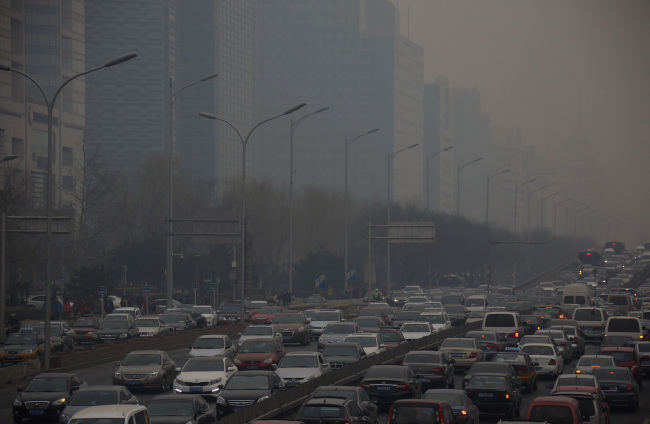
<point x="490" y="341"/>
<point x="397" y="298"/>
<point x="246" y="388"/>
<point x="96" y="395"/>
<point x="349" y="392"/>
<point x="457" y="314"/>
<point x="531" y="323"/>
<point x="343" y="353"/>
<point x="387" y="383"/>
<point x="433" y="369"/>
<point x="113" y="330"/>
<point x="323" y="411"/>
<point x="173" y="409"/>
<point x="492" y="368"/>
<point x="494" y="394"/>
<point x="45" y="396"/>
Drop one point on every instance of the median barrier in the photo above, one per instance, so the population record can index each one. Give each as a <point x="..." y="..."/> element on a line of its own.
<point x="292" y="398"/>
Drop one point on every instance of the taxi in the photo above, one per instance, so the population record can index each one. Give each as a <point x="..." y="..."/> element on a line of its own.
<point x="23" y="346"/>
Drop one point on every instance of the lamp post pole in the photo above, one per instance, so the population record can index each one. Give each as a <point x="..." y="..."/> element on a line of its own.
<point x="293" y="126"/>
<point x="244" y="144"/>
<point x="170" y="212"/>
<point x="460" y="167"/>
<point x="3" y="248"/>
<point x="487" y="194"/>
<point x="348" y="143"/>
<point x="517" y="187"/>
<point x="391" y="156"/>
<point x="541" y="208"/>
<point x="48" y="185"/>
<point x="530" y="193"/>
<point x="566" y="218"/>
<point x="427" y="169"/>
<point x="555" y="213"/>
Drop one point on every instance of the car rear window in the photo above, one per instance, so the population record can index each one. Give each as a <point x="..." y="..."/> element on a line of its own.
<point x="556" y="414"/>
<point x="588" y="315"/>
<point x="624" y="325"/>
<point x="500" y="320"/>
<point x="414" y="413"/>
<point x="322" y="411"/>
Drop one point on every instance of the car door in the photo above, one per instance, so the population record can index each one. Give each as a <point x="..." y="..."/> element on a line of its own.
<point x="323" y="364"/>
<point x="126" y="397"/>
<point x="169" y="366"/>
<point x="204" y="414"/>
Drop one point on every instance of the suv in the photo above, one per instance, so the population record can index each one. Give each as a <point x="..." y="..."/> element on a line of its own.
<point x="294" y="327"/>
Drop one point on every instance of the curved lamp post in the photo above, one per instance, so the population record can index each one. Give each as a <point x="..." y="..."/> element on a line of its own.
<point x="517" y="187"/>
<point x="348" y="143"/>
<point x="173" y="95"/>
<point x="460" y="168"/>
<point x="48" y="185"/>
<point x="244" y="144"/>
<point x="541" y="208"/>
<point x="487" y="194"/>
<point x="431" y="156"/>
<point x="566" y="218"/>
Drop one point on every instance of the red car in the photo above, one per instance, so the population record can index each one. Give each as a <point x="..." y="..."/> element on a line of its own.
<point x="391" y="337"/>
<point x="626" y="357"/>
<point x="579" y="393"/>
<point x="259" y="354"/>
<point x="266" y="314"/>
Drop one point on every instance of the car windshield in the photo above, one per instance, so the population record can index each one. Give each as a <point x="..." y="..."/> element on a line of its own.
<point x="415" y="328"/>
<point x="458" y="343"/>
<point x="247" y="382"/>
<point x="421" y="358"/>
<point x="203" y="365"/>
<point x="267" y="311"/>
<point x="333" y="350"/>
<point x="574" y="380"/>
<point x="174" y="318"/>
<point x="288" y="319"/>
<point x="256" y="330"/>
<point x="621" y="356"/>
<point x="94" y="397"/>
<point x="587" y="361"/>
<point x="321" y="411"/>
<point x="202" y="309"/>
<point x="363" y="341"/>
<point x="47" y="384"/>
<point x="298" y="361"/>
<point x="388" y="336"/>
<point x="22" y="339"/>
<point x="367" y="322"/>
<point x="454" y="309"/>
<point x="208" y="343"/>
<point x="454" y="399"/>
<point x="257" y="347"/>
<point x="483" y="381"/>
<point x="326" y="316"/>
<point x="551" y="413"/>
<point x="386" y="371"/>
<point x="510" y="359"/>
<point x="474" y="302"/>
<point x="97" y="421"/>
<point x="433" y="319"/>
<point x="142" y="359"/>
<point x="538" y="350"/>
<point x="54" y="331"/>
<point x="85" y="322"/>
<point x="146" y="322"/>
<point x="171" y="407"/>
<point x="406" y="413"/>
<point x="114" y="325"/>
<point x="338" y="329"/>
<point x="487" y="367"/>
<point x="230" y="309"/>
<point x="334" y="393"/>
<point x="407" y="315"/>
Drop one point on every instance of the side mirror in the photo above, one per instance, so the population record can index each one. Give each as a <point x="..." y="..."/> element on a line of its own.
<point x="117" y="363"/>
<point x="178" y="369"/>
<point x="274" y="366"/>
<point x="231" y="369"/>
<point x="74" y="388"/>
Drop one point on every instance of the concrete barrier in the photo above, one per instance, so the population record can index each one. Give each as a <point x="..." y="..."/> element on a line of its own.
<point x="17" y="371"/>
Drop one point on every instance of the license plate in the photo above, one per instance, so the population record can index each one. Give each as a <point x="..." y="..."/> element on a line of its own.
<point x="512" y="348"/>
<point x="196" y="389"/>
<point x="538" y="368"/>
<point x="587" y="328"/>
<point x="423" y="379"/>
<point x="383" y="387"/>
<point x="236" y="409"/>
<point x="486" y="395"/>
<point x="12" y="357"/>
<point x="610" y="389"/>
<point x="456" y="355"/>
<point x="251" y="367"/>
<point x="133" y="383"/>
<point x="36" y="412"/>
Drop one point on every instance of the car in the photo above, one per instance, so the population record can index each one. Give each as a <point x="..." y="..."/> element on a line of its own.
<point x="375" y="312"/>
<point x="532" y="323"/>
<point x="309" y="313"/>
<point x="114" y="414"/>
<point x="421" y="411"/>
<point x="476" y="316"/>
<point x="151" y="326"/>
<point x="464" y="350"/>
<point x="198" y="318"/>
<point x="576" y="337"/>
<point x="38" y="300"/>
<point x="554" y="409"/>
<point x="626" y="357"/>
<point x="165" y="409"/>
<point x="134" y="311"/>
<point x="259" y="354"/>
<point x="397" y="298"/>
<point x="615" y="341"/>
<point x="84" y="329"/>
<point x="315" y="299"/>
<point x="494" y="394"/>
<point x="246" y="388"/>
<point x="22" y="347"/>
<point x="96" y="395"/>
<point x="265" y="315"/>
<point x="371" y="342"/>
<point x="388" y="383"/>
<point x="416" y="330"/>
<point x="457" y="314"/>
<point x="204" y="376"/>
<point x="320" y="320"/>
<point x="438" y="320"/>
<point x="493" y="368"/>
<point x="390" y="311"/>
<point x="337" y="332"/>
<point x="161" y="304"/>
<point x="116" y="329"/>
<point x="490" y="341"/>
<point x="60" y="341"/>
<point x="523" y="364"/>
<point x="433" y="369"/>
<point x="643" y="353"/>
<point x="587" y="363"/>
<point x="462" y="406"/>
<point x="391" y="337"/>
<point x="212" y="345"/>
<point x="255" y="306"/>
<point x="45" y="396"/>
<point x="340" y="354"/>
<point x="355" y="393"/>
<point x="207" y="312"/>
<point x="405" y="316"/>
<point x="293" y="326"/>
<point x="619" y="386"/>
<point x="178" y="320"/>
<point x="299" y="367"/>
<point x="230" y="314"/>
<point x="592" y="407"/>
<point x="549" y="361"/>
<point x="319" y="411"/>
<point x="535" y="338"/>
<point x="561" y="341"/>
<point x="257" y="331"/>
<point x="370" y="324"/>
<point x="142" y="369"/>
<point x="564" y="381"/>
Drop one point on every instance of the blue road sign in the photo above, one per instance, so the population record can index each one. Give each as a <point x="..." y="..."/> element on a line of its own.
<point x="195" y="287"/>
<point x="214" y="286"/>
<point x="146" y="288"/>
<point x="102" y="290"/>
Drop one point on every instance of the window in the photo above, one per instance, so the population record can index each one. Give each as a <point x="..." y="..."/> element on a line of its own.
<point x="67" y="183"/>
<point x="66" y="157"/>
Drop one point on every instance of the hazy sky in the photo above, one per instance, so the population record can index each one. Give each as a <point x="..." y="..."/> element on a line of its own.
<point x="558" y="69"/>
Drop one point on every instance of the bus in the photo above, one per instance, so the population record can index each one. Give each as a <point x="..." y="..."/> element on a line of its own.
<point x="590" y="257"/>
<point x="618" y="246"/>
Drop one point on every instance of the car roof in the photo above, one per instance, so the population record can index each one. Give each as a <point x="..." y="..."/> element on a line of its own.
<point x="107" y="411"/>
<point x="420" y="402"/>
<point x="302" y="353"/>
<point x="554" y="400"/>
<point x="221" y="336"/>
<point x="326" y="401"/>
<point x="616" y="349"/>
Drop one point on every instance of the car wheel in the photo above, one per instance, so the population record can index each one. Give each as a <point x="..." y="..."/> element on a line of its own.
<point x="534" y="385"/>
<point x="634" y="405"/>
<point x="518" y="411"/>
<point x="163" y="384"/>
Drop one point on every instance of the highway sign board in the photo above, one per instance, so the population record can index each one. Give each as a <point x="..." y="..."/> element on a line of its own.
<point x="195" y="287"/>
<point x="102" y="290"/>
<point x="146" y="288"/>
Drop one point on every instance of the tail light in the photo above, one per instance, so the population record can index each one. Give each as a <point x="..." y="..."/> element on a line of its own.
<point x="561" y="343"/>
<point x="403" y="386"/>
<point x="578" y="371"/>
<point x="366" y="386"/>
<point x="437" y="370"/>
<point x="522" y="368"/>
<point x="645" y="358"/>
<point x="505" y="395"/>
<point x="515" y="335"/>
<point x="462" y="414"/>
<point x="598" y="329"/>
<point x="552" y="362"/>
<point x="472" y="355"/>
<point x="629" y="388"/>
<point x="493" y="346"/>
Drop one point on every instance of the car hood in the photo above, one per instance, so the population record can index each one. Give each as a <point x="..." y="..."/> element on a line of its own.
<point x="342" y="359"/>
<point x="181" y="419"/>
<point x="138" y="369"/>
<point x="198" y="376"/>
<point x="6" y="348"/>
<point x="254" y="356"/>
<point x="149" y="329"/>
<point x="296" y="372"/>
<point x="207" y="352"/>
<point x="50" y="396"/>
<point x="333" y="337"/>
<point x="244" y="394"/>
<point x="84" y="328"/>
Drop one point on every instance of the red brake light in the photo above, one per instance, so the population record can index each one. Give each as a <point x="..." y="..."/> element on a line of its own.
<point x="577" y="371"/>
<point x="492" y="346"/>
<point x="629" y="388"/>
<point x="436" y="370"/>
<point x="552" y="362"/>
<point x="462" y="413"/>
<point x="403" y="386"/>
<point x="472" y="355"/>
<point x="366" y="386"/>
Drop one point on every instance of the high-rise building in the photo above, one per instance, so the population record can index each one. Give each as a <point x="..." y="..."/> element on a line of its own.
<point x="346" y="55"/>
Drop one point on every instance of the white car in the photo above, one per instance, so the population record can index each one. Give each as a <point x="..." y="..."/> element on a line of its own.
<point x="439" y="320"/>
<point x="151" y="326"/>
<point x="416" y="330"/>
<point x="212" y="345"/>
<point x="259" y="331"/>
<point x="204" y="376"/>
<point x="299" y="367"/>
<point x="208" y="312"/>
<point x="549" y="360"/>
<point x="370" y="342"/>
<point x="587" y="363"/>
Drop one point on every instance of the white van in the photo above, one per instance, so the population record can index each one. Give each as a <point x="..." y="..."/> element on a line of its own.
<point x="592" y="321"/>
<point x="476" y="302"/>
<point x="624" y="326"/>
<point x="576" y="294"/>
<point x="621" y="302"/>
<point x="508" y="324"/>
<point x="122" y="414"/>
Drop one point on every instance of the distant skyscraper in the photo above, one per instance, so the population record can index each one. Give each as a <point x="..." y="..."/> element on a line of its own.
<point x="348" y="55"/>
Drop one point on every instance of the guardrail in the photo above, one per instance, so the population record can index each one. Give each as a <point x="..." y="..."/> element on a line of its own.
<point x="293" y="397"/>
<point x="544" y="276"/>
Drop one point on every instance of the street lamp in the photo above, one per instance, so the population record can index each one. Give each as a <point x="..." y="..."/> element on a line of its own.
<point x="3" y="248"/>
<point x="541" y="208"/>
<point x="427" y="169"/>
<point x="566" y="218"/>
<point x="517" y="187"/>
<point x="391" y="156"/>
<point x="291" y="172"/>
<point x="530" y="193"/>
<point x="173" y="95"/>
<point x="244" y="144"/>
<point x="348" y="143"/>
<point x="555" y="213"/>
<point x="48" y="183"/>
<point x="487" y="194"/>
<point x="460" y="167"/>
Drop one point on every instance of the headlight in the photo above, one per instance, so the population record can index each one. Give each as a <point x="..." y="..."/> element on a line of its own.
<point x="64" y="418"/>
<point x="17" y="402"/>
<point x="122" y="336"/>
<point x="214" y="381"/>
<point x="262" y="398"/>
<point x="237" y="361"/>
<point x="94" y="335"/>
<point x="180" y="382"/>
<point x="268" y="361"/>
<point x="221" y="401"/>
<point x="118" y="375"/>
<point x="154" y="374"/>
<point x="58" y="402"/>
<point x="27" y="351"/>
<point x="301" y="329"/>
